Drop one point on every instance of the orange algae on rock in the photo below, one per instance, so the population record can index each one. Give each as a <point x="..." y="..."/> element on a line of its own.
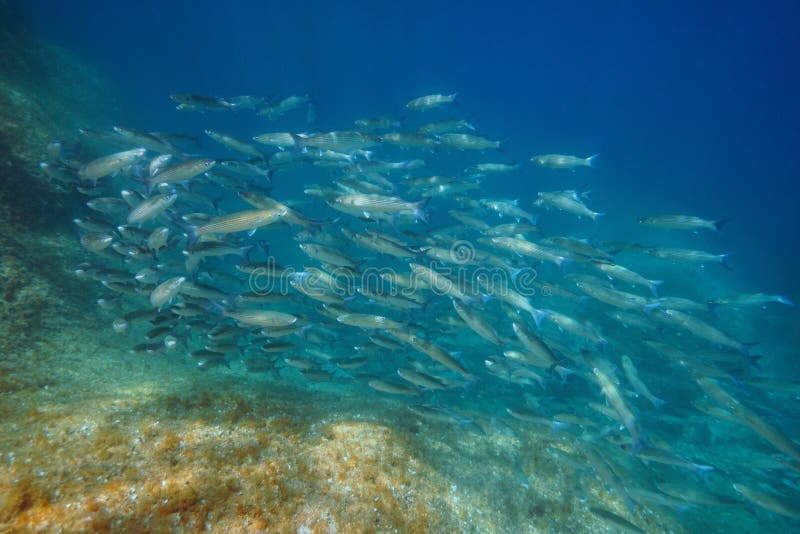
<point x="133" y="453"/>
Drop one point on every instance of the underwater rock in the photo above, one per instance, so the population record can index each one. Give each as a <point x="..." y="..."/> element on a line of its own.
<point x="45" y="91"/>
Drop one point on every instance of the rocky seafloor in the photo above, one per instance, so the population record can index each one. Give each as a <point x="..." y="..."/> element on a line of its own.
<point x="94" y="439"/>
<point x="46" y="93"/>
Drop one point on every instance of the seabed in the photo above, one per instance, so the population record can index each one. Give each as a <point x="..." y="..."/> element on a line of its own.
<point x="97" y="439"/>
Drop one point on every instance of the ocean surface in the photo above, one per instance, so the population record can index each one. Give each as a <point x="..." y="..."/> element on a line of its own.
<point x="548" y="413"/>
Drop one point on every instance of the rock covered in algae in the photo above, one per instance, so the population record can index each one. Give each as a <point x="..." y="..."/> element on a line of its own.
<point x="45" y="91"/>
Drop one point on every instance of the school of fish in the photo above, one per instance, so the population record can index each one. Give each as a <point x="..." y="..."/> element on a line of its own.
<point x="400" y="276"/>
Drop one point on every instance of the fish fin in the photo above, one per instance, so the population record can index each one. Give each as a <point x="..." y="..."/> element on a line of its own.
<point x="216" y="307"/>
<point x="591" y="159"/>
<point x="558" y="426"/>
<point x="298" y="143"/>
<point x="191" y="265"/>
<point x="655" y="305"/>
<point x="191" y="230"/>
<point x="474" y="300"/>
<point x="245" y="252"/>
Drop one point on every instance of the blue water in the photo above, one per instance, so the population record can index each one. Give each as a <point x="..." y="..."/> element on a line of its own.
<point x="691" y="105"/>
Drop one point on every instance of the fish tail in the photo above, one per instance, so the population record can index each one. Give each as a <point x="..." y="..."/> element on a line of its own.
<point x="471" y="381"/>
<point x="538" y="316"/>
<point x="718" y="224"/>
<point x="184" y="339"/>
<point x="753" y="359"/>
<point x="702" y="471"/>
<point x="723" y="260"/>
<point x="638" y="444"/>
<point x="629" y="504"/>
<point x="653" y="285"/>
<point x="747" y="345"/>
<point x="191" y="230"/>
<point x="590" y="160"/>
<point x="420" y="210"/>
<point x="299" y="144"/>
<point x="563" y="372"/>
<point x="658" y="403"/>
<point x="244" y="251"/>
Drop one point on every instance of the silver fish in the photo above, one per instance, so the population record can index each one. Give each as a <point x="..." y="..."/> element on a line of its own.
<point x="234" y="143"/>
<point x="185" y="170"/>
<point x="241" y="221"/>
<point x="424" y="103"/>
<point x="151" y="208"/>
<point x="101" y="167"/>
<point x="640" y="387"/>
<point x="561" y="161"/>
<point x="682" y="222"/>
<point x="166" y="291"/>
